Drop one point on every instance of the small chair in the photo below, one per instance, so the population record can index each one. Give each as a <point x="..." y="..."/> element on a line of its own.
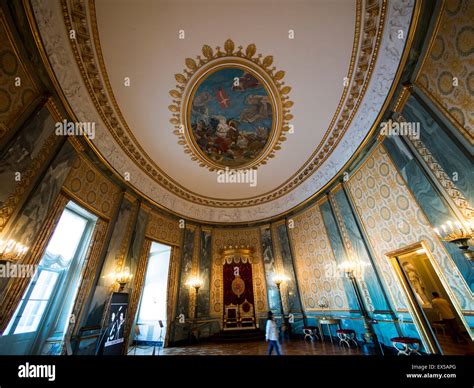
<point x="439" y="325"/>
<point x="247" y="316"/>
<point x="346" y="336"/>
<point x="231" y="318"/>
<point x="311" y="332"/>
<point x="406" y="345"/>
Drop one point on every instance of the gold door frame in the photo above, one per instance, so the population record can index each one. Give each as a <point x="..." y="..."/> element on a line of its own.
<point x="427" y="336"/>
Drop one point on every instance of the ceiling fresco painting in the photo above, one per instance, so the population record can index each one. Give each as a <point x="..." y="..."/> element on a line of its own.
<point x="231" y="107"/>
<point x="231" y="117"/>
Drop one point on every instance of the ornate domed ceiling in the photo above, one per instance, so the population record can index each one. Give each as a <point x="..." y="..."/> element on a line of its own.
<point x="180" y="90"/>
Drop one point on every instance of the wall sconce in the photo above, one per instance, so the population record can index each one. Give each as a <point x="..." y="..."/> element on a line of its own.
<point x="12" y="250"/>
<point x="122" y="278"/>
<point x="278" y="279"/>
<point x="348" y="268"/>
<point x="195" y="283"/>
<point x="459" y="235"/>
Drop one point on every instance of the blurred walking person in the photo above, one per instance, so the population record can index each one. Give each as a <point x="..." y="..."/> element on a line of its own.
<point x="271" y="335"/>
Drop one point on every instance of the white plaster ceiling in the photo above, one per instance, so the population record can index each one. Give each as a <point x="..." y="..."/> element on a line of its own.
<point x="139" y="40"/>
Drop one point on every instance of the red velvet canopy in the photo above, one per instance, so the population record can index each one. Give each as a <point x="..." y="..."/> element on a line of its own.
<point x="244" y="271"/>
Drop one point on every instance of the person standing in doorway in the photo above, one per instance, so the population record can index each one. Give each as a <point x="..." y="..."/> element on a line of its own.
<point x="449" y="319"/>
<point x="271" y="335"/>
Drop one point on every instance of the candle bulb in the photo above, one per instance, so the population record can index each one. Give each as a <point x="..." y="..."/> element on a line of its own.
<point x="470" y="225"/>
<point x="436" y="230"/>
<point x="444" y="229"/>
<point x="450" y="224"/>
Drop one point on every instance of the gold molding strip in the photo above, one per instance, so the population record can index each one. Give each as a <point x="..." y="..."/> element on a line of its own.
<point x="402" y="98"/>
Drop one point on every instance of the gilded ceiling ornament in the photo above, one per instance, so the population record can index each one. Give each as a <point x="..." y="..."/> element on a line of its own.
<point x="230" y="108"/>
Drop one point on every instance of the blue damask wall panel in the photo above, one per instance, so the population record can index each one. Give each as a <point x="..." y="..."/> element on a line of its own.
<point x="137" y="240"/>
<point x="269" y="265"/>
<point x="31" y="217"/>
<point x="185" y="272"/>
<point x="294" y="304"/>
<point x="454" y="161"/>
<point x="338" y="249"/>
<point x="370" y="278"/>
<point x="427" y="197"/>
<point x="104" y="283"/>
<point x="205" y="274"/>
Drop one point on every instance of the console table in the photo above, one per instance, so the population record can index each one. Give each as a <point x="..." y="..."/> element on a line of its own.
<point x="328" y="322"/>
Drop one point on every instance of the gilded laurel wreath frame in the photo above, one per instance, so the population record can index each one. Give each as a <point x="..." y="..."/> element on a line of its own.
<point x="211" y="61"/>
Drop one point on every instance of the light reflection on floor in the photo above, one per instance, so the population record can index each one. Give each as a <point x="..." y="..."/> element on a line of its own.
<point x="293" y="347"/>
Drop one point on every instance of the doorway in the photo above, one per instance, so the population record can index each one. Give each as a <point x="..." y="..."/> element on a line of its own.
<point x="438" y="318"/>
<point x="151" y="323"/>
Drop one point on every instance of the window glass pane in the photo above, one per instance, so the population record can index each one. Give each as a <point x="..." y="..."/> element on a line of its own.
<point x="67" y="235"/>
<point x="31" y="317"/>
<point x="59" y="254"/>
<point x="44" y="286"/>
